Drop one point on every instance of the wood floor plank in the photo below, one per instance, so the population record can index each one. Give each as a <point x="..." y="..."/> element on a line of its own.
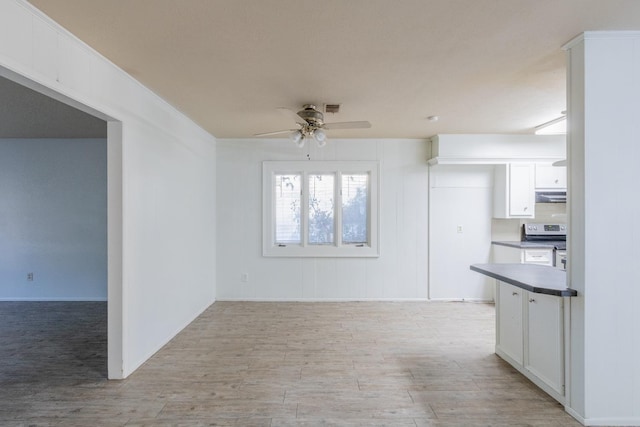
<point x="271" y="364"/>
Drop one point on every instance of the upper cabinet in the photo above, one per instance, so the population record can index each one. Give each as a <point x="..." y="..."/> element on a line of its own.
<point x="551" y="177"/>
<point x="514" y="191"/>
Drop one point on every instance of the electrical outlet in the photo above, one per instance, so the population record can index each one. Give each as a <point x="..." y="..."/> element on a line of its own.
<point x="244" y="277"/>
<point x="30" y="277"/>
<point x="460" y="229"/>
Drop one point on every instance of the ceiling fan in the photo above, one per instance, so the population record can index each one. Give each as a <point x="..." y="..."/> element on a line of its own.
<point x="312" y="126"/>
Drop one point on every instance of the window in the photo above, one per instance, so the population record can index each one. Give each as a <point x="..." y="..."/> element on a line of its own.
<point x="320" y="209"/>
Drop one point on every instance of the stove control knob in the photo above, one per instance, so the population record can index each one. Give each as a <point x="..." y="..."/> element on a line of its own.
<point x="535" y="227"/>
<point x="562" y="227"/>
<point x="530" y="228"/>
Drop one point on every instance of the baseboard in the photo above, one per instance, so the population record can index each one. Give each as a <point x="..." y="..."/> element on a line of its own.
<point x="622" y="422"/>
<point x="574" y="414"/>
<point x="323" y="299"/>
<point x="480" y="300"/>
<point x="41" y="299"/>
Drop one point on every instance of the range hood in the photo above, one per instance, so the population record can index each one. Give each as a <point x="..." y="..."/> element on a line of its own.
<point x="551" y="196"/>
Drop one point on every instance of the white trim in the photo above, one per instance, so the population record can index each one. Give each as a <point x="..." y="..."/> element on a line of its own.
<point x="305" y="168"/>
<point x="45" y="299"/>
<point x="470" y="300"/>
<point x="325" y="300"/>
<point x="116" y="315"/>
<point x="591" y="35"/>
<point x="629" y="422"/>
<point x="489" y="161"/>
<point x="574" y="414"/>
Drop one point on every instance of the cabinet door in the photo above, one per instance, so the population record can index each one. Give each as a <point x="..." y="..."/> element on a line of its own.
<point x="521" y="190"/>
<point x="510" y="330"/>
<point x="544" y="356"/>
<point x="551" y="177"/>
<point x="514" y="191"/>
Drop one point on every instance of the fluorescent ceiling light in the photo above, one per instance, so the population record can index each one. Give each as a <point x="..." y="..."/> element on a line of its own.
<point x="554" y="127"/>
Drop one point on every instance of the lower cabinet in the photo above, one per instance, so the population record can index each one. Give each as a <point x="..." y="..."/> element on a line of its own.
<point x="510" y="333"/>
<point x="530" y="336"/>
<point x="544" y="348"/>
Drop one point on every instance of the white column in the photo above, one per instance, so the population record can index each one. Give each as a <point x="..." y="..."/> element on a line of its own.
<point x="604" y="227"/>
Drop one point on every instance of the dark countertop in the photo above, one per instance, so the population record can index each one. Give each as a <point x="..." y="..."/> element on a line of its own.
<point x="526" y="245"/>
<point x="540" y="279"/>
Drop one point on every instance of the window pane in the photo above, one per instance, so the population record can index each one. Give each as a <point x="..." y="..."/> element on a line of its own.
<point x="321" y="195"/>
<point x="354" y="208"/>
<point x="287" y="198"/>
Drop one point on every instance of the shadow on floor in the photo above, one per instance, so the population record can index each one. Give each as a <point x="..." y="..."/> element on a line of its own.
<point x="61" y="342"/>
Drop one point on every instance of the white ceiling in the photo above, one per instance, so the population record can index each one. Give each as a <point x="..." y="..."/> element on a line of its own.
<point x="483" y="66"/>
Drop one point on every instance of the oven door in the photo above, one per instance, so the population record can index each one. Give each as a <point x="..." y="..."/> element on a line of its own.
<point x="538" y="256"/>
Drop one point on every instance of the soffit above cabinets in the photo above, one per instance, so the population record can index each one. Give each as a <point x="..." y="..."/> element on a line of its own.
<point x="496" y="149"/>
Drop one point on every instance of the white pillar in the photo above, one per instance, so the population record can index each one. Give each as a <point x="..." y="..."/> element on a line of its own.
<point x="604" y="227"/>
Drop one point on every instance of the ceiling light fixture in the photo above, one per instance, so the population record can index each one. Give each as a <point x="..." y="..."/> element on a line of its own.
<point x="552" y="127"/>
<point x="320" y="137"/>
<point x="299" y="137"/>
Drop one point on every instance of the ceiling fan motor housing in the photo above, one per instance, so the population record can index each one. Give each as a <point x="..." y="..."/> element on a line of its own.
<point x="311" y="115"/>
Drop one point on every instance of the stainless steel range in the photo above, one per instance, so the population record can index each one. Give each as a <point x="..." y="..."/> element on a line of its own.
<point x="552" y="234"/>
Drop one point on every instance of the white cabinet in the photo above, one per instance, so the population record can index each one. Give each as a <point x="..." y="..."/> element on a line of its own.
<point x="551" y="177"/>
<point x="514" y="191"/>
<point x="544" y="347"/>
<point x="509" y="336"/>
<point x="530" y="336"/>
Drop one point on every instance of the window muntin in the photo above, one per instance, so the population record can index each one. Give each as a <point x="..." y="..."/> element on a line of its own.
<point x="320" y="209"/>
<point x="288" y="206"/>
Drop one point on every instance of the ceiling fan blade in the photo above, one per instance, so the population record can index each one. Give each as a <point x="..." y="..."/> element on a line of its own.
<point x="347" y="125"/>
<point x="274" y="133"/>
<point x="292" y="115"/>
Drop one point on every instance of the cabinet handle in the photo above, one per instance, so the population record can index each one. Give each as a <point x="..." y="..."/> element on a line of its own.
<point x="525" y="208"/>
<point x="532" y="300"/>
<point x="556" y="181"/>
<point x="515" y="293"/>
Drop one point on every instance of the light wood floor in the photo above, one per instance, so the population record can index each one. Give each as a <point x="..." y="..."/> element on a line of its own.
<point x="271" y="364"/>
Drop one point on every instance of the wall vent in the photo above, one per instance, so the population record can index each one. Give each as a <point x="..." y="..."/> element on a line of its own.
<point x="332" y="108"/>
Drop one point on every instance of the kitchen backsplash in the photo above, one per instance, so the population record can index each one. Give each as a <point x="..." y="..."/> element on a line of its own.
<point x="551" y="213"/>
<point x="510" y="229"/>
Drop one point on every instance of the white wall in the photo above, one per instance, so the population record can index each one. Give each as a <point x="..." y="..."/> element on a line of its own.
<point x="161" y="184"/>
<point x="604" y="237"/>
<point x="53" y="219"/>
<point x="460" y="196"/>
<point x="399" y="273"/>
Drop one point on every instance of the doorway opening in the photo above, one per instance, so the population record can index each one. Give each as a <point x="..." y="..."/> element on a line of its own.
<point x="61" y="226"/>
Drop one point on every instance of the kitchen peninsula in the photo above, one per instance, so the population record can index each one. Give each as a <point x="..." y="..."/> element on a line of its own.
<point x="533" y="306"/>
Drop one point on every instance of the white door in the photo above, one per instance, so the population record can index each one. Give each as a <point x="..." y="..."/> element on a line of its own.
<point x="460" y="204"/>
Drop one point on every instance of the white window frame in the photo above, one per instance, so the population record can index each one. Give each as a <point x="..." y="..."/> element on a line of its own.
<point x="305" y="168"/>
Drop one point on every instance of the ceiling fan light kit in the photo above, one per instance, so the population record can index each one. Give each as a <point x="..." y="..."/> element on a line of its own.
<point x="312" y="126"/>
